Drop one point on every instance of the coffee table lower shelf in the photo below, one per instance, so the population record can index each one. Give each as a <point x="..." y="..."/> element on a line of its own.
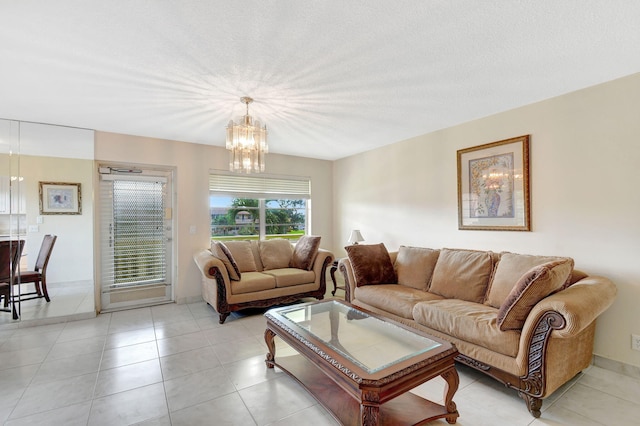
<point x="406" y="409"/>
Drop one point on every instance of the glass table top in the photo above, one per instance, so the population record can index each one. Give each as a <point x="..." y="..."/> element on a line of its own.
<point x="367" y="341"/>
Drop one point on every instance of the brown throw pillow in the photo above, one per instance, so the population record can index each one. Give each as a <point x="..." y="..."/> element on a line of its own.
<point x="276" y="253"/>
<point x="305" y="251"/>
<point x="536" y="284"/>
<point x="508" y="270"/>
<point x="414" y="266"/>
<point x="221" y="252"/>
<point x="371" y="264"/>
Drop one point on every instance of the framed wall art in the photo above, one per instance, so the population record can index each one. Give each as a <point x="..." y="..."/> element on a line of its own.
<point x="493" y="186"/>
<point x="60" y="198"/>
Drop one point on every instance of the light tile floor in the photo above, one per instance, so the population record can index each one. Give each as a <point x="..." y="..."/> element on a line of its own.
<point x="175" y="365"/>
<point x="69" y="300"/>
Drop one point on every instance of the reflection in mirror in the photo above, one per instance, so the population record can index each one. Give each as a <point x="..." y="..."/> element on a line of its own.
<point x="54" y="154"/>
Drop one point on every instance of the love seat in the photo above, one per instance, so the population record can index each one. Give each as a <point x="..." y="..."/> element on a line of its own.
<point x="256" y="274"/>
<point x="527" y="321"/>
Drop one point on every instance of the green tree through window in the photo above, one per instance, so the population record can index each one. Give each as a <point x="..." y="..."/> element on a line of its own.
<point x="242" y="217"/>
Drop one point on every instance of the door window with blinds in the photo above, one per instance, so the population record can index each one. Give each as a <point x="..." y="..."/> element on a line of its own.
<point x="258" y="207"/>
<point x="136" y="237"/>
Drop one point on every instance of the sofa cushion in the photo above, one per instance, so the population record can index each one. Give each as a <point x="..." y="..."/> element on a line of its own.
<point x="371" y="264"/>
<point x="304" y="252"/>
<point x="275" y="254"/>
<point x="462" y="274"/>
<point x="241" y="251"/>
<point x="252" y="282"/>
<point x="220" y="251"/>
<point x="468" y="321"/>
<point x="288" y="277"/>
<point x="255" y="249"/>
<point x="414" y="266"/>
<point x="508" y="270"/>
<point x="536" y="284"/>
<point x="393" y="298"/>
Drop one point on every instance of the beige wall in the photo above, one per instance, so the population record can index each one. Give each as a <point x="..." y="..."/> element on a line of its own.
<point x="585" y="155"/>
<point x="193" y="163"/>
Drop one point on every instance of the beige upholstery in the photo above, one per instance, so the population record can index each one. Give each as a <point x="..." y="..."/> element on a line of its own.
<point x="469" y="321"/>
<point x="554" y="343"/>
<point x="242" y="254"/>
<point x="275" y="254"/>
<point x="260" y="288"/>
<point x="394" y="298"/>
<point x="414" y="266"/>
<point x="462" y="274"/>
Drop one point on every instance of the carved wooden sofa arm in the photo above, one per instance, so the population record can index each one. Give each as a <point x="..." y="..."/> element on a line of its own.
<point x="553" y="339"/>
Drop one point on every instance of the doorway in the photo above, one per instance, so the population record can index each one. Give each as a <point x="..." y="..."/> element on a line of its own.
<point x="136" y="237"/>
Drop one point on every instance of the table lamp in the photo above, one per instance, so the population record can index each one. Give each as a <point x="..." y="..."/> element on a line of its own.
<point x="355" y="237"/>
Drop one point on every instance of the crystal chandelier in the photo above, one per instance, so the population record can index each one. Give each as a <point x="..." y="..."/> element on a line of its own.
<point x="247" y="143"/>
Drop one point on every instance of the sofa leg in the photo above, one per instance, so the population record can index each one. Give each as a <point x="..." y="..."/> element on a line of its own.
<point x="223" y="317"/>
<point x="533" y="404"/>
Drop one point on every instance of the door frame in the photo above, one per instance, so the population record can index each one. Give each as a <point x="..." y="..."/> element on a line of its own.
<point x="138" y="169"/>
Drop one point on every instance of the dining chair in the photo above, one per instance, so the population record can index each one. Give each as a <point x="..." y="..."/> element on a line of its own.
<point x="10" y="252"/>
<point x="38" y="276"/>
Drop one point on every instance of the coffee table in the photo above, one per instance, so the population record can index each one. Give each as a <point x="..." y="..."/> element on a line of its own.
<point x="360" y="366"/>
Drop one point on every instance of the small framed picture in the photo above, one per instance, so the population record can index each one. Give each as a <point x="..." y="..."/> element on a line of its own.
<point x="493" y="186"/>
<point x="60" y="198"/>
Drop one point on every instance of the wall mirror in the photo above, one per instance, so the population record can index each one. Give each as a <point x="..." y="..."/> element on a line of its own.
<point x="32" y="153"/>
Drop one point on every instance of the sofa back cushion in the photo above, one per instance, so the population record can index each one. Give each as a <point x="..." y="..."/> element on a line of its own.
<point x="414" y="266"/>
<point x="508" y="271"/>
<point x="220" y="251"/>
<point x="371" y="264"/>
<point x="255" y="248"/>
<point x="536" y="284"/>
<point x="305" y="251"/>
<point x="241" y="251"/>
<point x="276" y="253"/>
<point x="462" y="274"/>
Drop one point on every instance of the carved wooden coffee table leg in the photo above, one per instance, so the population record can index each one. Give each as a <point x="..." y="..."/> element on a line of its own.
<point x="370" y="415"/>
<point x="271" y="355"/>
<point x="452" y="381"/>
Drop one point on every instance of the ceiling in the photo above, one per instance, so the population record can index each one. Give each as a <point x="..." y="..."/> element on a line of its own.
<point x="330" y="78"/>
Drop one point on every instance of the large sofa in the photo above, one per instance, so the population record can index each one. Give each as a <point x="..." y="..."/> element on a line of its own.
<point x="527" y="321"/>
<point x="256" y="274"/>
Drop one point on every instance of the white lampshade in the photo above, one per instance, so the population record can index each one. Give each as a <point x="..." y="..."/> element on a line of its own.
<point x="355" y="237"/>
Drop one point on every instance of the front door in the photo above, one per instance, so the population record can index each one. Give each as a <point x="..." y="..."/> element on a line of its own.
<point x="136" y="245"/>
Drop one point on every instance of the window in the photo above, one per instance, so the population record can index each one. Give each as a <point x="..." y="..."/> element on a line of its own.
<point x="249" y="207"/>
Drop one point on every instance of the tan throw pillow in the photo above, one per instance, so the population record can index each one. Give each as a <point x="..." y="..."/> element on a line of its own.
<point x="276" y="253"/>
<point x="462" y="274"/>
<point x="536" y="284"/>
<point x="305" y="251"/>
<point x="241" y="251"/>
<point x="414" y="266"/>
<point x="371" y="264"/>
<point x="221" y="252"/>
<point x="509" y="269"/>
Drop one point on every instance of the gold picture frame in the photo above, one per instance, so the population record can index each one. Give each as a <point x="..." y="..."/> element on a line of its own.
<point x="60" y="198"/>
<point x="493" y="186"/>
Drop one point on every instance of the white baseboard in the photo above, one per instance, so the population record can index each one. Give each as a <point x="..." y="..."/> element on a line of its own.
<point x="617" y="366"/>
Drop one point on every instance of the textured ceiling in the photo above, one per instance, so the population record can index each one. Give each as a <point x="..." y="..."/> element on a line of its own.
<point x="330" y="78"/>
